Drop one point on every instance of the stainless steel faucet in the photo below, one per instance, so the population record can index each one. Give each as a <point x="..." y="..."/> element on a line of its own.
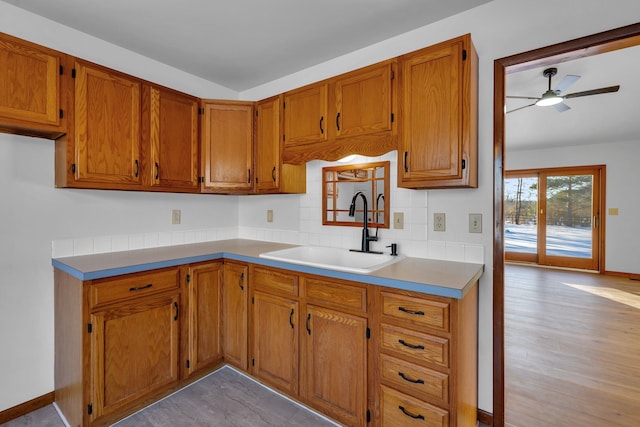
<point x="364" y="246"/>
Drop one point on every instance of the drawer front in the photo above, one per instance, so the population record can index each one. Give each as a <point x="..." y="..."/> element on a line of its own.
<point x="133" y="286"/>
<point x="268" y="280"/>
<point x="415" y="380"/>
<point x="418" y="311"/>
<point x="398" y="409"/>
<point x="334" y="294"/>
<point x="421" y="347"/>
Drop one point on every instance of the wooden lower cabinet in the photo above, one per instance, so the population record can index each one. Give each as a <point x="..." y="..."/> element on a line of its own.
<point x="134" y="349"/>
<point x="335" y="364"/>
<point x="234" y="314"/>
<point x="205" y="283"/>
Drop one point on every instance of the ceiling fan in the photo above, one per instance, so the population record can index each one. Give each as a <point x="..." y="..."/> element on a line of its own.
<point x="554" y="97"/>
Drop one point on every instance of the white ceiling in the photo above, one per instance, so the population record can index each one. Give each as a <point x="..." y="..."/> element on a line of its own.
<point x="593" y="119"/>
<point x="241" y="44"/>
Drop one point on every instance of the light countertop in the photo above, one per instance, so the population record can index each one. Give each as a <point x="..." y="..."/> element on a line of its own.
<point x="436" y="277"/>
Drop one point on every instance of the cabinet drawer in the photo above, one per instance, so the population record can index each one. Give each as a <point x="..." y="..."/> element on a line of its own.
<point x="398" y="409"/>
<point x="417" y="311"/>
<point x="268" y="280"/>
<point x="133" y="286"/>
<point x="335" y="294"/>
<point x="421" y="347"/>
<point x="420" y="382"/>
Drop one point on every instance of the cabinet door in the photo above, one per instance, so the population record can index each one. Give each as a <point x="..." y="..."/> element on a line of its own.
<point x="227" y="147"/>
<point x="363" y="102"/>
<point x="134" y="352"/>
<point x="205" y="316"/>
<point x="436" y="108"/>
<point x="30" y="92"/>
<point x="336" y="364"/>
<point x="275" y="341"/>
<point x="107" y="126"/>
<point x="174" y="140"/>
<point x="268" y="145"/>
<point x="305" y="115"/>
<point x="234" y="312"/>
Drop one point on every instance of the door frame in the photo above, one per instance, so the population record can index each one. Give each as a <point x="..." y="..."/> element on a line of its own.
<point x="607" y="41"/>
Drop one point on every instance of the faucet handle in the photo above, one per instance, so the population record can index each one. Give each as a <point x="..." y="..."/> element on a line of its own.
<point x="394" y="249"/>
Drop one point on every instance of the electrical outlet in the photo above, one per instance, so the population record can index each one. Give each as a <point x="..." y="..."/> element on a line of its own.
<point x="398" y="220"/>
<point x="270" y="215"/>
<point x="439" y="222"/>
<point x="175" y="216"/>
<point x="475" y="223"/>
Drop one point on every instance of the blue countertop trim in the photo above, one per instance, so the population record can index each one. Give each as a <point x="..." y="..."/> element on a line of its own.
<point x="354" y="277"/>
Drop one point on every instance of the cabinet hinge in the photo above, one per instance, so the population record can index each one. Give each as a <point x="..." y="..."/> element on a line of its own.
<point x="73" y="73"/>
<point x="61" y="70"/>
<point x="188" y="278"/>
<point x="89" y="328"/>
<point x="90" y="409"/>
<point x="283" y="137"/>
<point x="61" y="113"/>
<point x="393" y="117"/>
<point x="464" y="54"/>
<point x="188" y="363"/>
<point x="393" y="74"/>
<point x="368" y="416"/>
<point x="73" y="168"/>
<point x="253" y="300"/>
<point x="284" y="105"/>
<point x="201" y="111"/>
<point x="200" y="179"/>
<point x="256" y="113"/>
<point x="368" y="333"/>
<point x="464" y="164"/>
<point x="253" y="362"/>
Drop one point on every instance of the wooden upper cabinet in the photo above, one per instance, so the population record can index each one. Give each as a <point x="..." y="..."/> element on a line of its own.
<point x="268" y="131"/>
<point x="227" y="147"/>
<point x="306" y="112"/>
<point x="363" y="101"/>
<point x="272" y="175"/>
<point x="31" y="89"/>
<point x="107" y="127"/>
<point x="438" y="142"/>
<point x="173" y="139"/>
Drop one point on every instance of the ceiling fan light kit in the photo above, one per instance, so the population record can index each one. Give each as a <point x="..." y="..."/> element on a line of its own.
<point x="552" y="97"/>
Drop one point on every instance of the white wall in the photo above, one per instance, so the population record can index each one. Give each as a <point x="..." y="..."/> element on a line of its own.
<point x="33" y="213"/>
<point x="622" y="178"/>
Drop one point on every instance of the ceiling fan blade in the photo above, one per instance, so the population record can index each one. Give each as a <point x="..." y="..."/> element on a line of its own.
<point x="523" y="97"/>
<point x="593" y="92"/>
<point x="561" y="107"/>
<point x="520" y="108"/>
<point x="568" y="80"/>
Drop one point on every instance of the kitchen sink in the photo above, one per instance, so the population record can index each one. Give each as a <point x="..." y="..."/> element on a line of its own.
<point x="333" y="258"/>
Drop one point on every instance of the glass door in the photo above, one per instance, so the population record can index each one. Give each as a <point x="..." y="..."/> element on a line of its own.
<point x="552" y="217"/>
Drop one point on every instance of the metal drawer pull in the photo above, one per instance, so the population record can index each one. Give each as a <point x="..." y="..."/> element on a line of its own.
<point x="415" y="347"/>
<point x="240" y="280"/>
<point x="175" y="305"/>
<point x="418" y="381"/>
<point x="307" y="325"/>
<point x="409" y="414"/>
<point x="419" y="313"/>
<point x="291" y="319"/>
<point x="139" y="288"/>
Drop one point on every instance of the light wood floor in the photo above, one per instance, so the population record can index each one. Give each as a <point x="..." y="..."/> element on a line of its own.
<point x="572" y="348"/>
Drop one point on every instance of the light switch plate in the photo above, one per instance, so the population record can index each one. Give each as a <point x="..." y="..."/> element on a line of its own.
<point x="398" y="220"/>
<point x="175" y="216"/>
<point x="270" y="215"/>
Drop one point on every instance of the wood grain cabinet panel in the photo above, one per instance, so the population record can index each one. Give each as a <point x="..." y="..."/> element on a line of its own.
<point x="204" y="282"/>
<point x="31" y="89"/>
<point x="415" y="311"/>
<point x="234" y="311"/>
<point x="305" y="118"/>
<point x="272" y="175"/>
<point x="173" y="139"/>
<point x="335" y="364"/>
<point x="227" y="147"/>
<point x="135" y="348"/>
<point x="275" y="341"/>
<point x="438" y="120"/>
<point x="421" y="382"/>
<point x="398" y="409"/>
<point x="134" y="286"/>
<point x="107" y="127"/>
